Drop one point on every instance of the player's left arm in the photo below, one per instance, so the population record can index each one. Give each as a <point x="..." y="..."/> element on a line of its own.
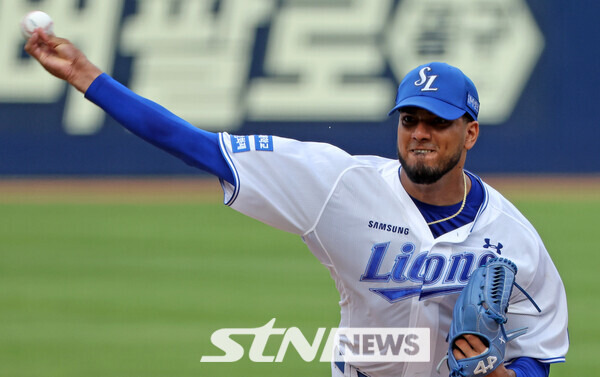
<point x="471" y="346"/>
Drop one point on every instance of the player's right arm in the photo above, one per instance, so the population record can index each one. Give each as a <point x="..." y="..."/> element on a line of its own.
<point x="62" y="59"/>
<point x="259" y="182"/>
<point x="142" y="117"/>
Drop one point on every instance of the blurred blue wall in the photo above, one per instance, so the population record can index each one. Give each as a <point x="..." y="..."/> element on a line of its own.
<point x="323" y="71"/>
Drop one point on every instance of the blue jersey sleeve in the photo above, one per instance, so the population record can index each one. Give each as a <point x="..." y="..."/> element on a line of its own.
<point x="160" y="127"/>
<point x="528" y="367"/>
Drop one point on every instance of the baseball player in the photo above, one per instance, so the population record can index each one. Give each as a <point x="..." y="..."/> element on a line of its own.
<point x="399" y="237"/>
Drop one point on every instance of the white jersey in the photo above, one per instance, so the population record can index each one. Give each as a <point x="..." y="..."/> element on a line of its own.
<point x="358" y="220"/>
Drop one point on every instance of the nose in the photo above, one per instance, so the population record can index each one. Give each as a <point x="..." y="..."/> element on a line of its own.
<point x="421" y="131"/>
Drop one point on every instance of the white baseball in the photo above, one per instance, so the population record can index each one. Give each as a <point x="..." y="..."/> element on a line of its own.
<point x="34" y="20"/>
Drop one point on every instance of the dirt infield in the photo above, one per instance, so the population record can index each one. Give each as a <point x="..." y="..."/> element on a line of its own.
<point x="585" y="187"/>
<point x="209" y="189"/>
<point x="110" y="190"/>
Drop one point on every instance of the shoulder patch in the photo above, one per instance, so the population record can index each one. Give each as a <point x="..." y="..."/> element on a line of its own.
<point x="240" y="143"/>
<point x="263" y="142"/>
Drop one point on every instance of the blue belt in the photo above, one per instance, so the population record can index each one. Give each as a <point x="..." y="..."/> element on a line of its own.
<point x="342" y="365"/>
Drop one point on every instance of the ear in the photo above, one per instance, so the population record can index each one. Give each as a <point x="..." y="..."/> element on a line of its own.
<point x="471" y="134"/>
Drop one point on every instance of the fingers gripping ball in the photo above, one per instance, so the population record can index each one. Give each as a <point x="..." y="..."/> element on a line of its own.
<point x="481" y="310"/>
<point x="34" y="20"/>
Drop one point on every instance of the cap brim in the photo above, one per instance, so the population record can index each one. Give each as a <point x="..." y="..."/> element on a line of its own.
<point x="434" y="105"/>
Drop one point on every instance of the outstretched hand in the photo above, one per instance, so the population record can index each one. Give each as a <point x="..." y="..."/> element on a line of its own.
<point x="62" y="59"/>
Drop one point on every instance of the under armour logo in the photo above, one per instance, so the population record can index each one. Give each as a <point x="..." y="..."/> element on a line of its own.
<point x="488" y="245"/>
<point x="426" y="80"/>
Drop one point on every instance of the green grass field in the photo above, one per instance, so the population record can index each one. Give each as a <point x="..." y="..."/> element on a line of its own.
<point x="101" y="288"/>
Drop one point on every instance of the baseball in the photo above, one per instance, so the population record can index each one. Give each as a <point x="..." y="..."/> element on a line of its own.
<point x="34" y="20"/>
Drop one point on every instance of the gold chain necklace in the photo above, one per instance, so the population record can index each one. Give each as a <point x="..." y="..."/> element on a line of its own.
<point x="462" y="206"/>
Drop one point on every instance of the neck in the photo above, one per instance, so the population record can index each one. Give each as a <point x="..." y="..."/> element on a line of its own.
<point x="448" y="190"/>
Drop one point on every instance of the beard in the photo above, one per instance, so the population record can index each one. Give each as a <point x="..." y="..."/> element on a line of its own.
<point x="423" y="174"/>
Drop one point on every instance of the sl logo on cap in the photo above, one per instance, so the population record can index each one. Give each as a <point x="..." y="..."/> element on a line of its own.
<point x="426" y="80"/>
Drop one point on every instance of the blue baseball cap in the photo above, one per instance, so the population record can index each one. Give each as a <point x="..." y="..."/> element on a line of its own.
<point x="439" y="88"/>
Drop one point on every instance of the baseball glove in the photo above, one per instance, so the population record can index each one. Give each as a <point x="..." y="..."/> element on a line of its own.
<point x="481" y="310"/>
